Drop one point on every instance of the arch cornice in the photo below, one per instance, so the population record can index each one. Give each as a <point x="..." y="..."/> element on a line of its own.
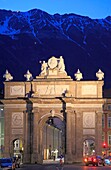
<point x="43" y="118"/>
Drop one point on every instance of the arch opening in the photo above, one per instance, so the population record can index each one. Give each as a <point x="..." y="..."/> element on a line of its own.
<point x="53" y="138"/>
<point x="88" y="147"/>
<point x="18" y="149"/>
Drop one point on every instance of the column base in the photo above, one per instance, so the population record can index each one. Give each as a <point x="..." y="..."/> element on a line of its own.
<point x="70" y="159"/>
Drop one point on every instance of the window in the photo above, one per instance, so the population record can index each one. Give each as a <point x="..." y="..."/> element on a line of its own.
<point x="109" y="122"/>
<point x="103" y="121"/>
<point x="1" y="113"/>
<point x="109" y="107"/>
<point x="102" y="138"/>
<point x="16" y="144"/>
<point x="109" y="139"/>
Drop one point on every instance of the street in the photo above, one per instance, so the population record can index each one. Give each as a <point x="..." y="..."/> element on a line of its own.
<point x="64" y="167"/>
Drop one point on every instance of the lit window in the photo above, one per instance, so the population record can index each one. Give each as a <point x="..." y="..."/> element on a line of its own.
<point x="109" y="139"/>
<point x="109" y="107"/>
<point x="109" y="122"/>
<point x="102" y="138"/>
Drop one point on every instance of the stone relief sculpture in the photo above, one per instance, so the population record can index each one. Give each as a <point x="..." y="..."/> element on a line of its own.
<point x="7" y="76"/>
<point x="78" y="75"/>
<point x="52" y="62"/>
<point x="89" y="119"/>
<point x="100" y="75"/>
<point x="28" y="76"/>
<point x="54" y="67"/>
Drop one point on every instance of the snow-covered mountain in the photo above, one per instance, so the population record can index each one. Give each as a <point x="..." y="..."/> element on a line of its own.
<point x="29" y="37"/>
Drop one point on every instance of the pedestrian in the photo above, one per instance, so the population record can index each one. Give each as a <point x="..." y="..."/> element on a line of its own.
<point x="61" y="162"/>
<point x="54" y="157"/>
<point x="13" y="165"/>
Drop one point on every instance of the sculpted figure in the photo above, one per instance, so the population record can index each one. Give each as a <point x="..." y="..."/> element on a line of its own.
<point x="7" y="76"/>
<point x="44" y="68"/>
<point x="61" y="65"/>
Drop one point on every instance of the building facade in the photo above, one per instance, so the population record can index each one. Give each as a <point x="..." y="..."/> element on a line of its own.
<point x="53" y="94"/>
<point x="106" y="124"/>
<point x="1" y="130"/>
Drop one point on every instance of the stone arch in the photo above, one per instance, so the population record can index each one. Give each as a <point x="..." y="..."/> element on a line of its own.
<point x="88" y="145"/>
<point x="12" y="144"/>
<point x="88" y="138"/>
<point x="43" y="118"/>
<point x="41" y="123"/>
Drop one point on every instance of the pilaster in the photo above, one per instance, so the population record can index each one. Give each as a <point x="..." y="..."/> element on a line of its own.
<point x="70" y="136"/>
<point x="98" y="135"/>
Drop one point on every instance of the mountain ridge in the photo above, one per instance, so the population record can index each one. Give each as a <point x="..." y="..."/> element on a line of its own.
<point x="29" y="37"/>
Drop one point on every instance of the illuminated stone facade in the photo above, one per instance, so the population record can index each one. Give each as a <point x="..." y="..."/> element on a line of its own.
<point x="106" y="124"/>
<point x="28" y="105"/>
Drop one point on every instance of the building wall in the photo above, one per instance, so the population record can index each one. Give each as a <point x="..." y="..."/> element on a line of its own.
<point x="1" y="131"/>
<point x="107" y="126"/>
<point x="27" y="106"/>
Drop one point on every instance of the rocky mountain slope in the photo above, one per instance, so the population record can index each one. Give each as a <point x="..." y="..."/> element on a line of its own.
<point x="26" y="38"/>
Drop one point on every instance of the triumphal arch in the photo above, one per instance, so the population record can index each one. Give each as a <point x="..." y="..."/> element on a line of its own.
<point x="29" y="104"/>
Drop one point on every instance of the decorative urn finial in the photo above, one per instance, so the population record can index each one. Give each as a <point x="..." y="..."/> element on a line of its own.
<point x="78" y="75"/>
<point x="28" y="76"/>
<point x="7" y="76"/>
<point x="100" y="75"/>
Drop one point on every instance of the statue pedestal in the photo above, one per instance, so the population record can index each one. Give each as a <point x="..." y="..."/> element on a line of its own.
<point x="52" y="72"/>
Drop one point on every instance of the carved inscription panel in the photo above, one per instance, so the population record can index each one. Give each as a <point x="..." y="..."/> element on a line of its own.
<point x="17" y="131"/>
<point x="17" y="90"/>
<point x="89" y="90"/>
<point x="51" y="89"/>
<point x="88" y="131"/>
